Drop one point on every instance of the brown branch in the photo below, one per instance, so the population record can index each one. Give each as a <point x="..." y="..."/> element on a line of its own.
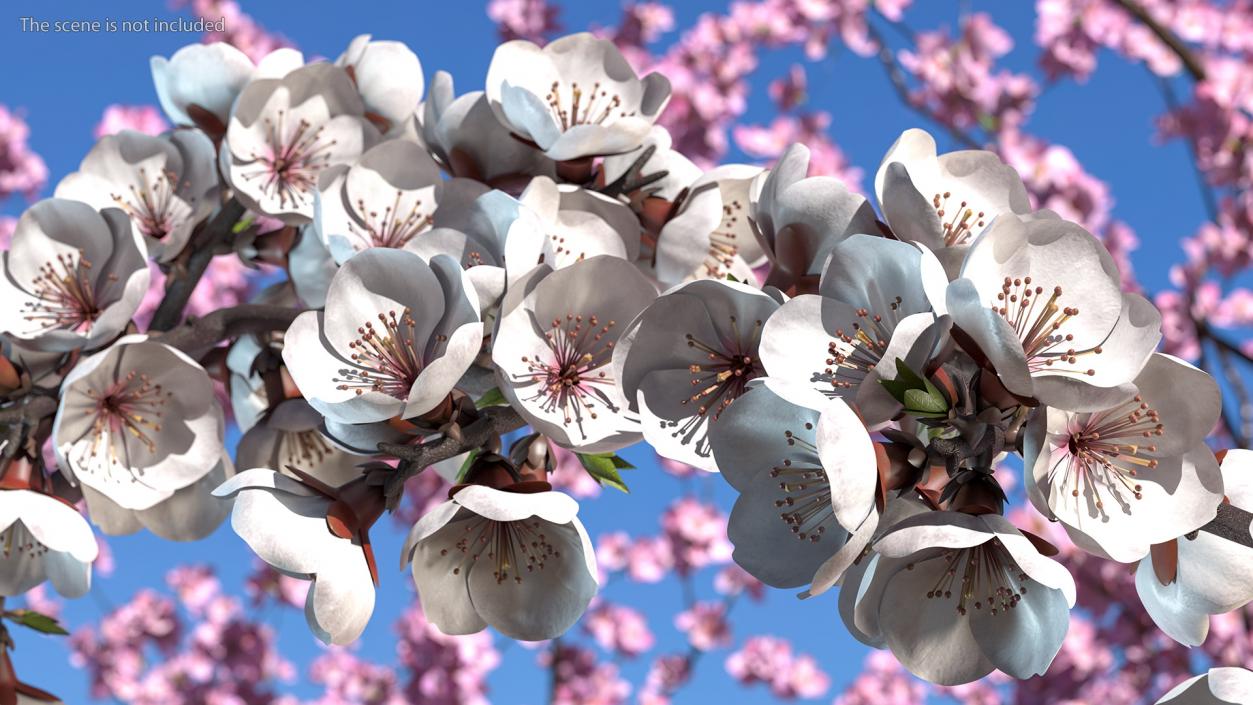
<point x="29" y="410"/>
<point x="197" y="335"/>
<point x="1232" y="523"/>
<point x="204" y="247"/>
<point x="494" y="421"/>
<point x="1190" y="63"/>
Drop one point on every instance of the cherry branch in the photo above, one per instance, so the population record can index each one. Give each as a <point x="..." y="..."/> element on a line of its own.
<point x="1232" y="523"/>
<point x="196" y="335"/>
<point x="493" y="421"/>
<point x="1190" y="63"/>
<point x="204" y="247"/>
<point x="29" y="410"/>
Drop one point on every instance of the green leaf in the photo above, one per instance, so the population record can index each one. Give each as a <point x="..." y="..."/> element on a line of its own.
<point x="465" y="467"/>
<point x="492" y="397"/>
<point x="603" y="467"/>
<point x="242" y="225"/>
<point x="916" y="393"/>
<point x="34" y="620"/>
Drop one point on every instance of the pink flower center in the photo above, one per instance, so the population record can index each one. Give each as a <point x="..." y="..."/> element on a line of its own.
<point x="151" y="205"/>
<point x="295" y="154"/>
<point x="385" y="359"/>
<point x="66" y="297"/>
<point x="574" y="378"/>
<point x="1106" y="451"/>
<point x="128" y="410"/>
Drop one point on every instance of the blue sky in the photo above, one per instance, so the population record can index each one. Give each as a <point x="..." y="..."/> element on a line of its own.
<point x="63" y="82"/>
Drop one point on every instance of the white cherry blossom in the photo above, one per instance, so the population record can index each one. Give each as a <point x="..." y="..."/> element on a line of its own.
<point x="284" y="132"/>
<point x="285" y="522"/>
<point x="687" y="357"/>
<point x="945" y="201"/>
<point x="396" y="336"/>
<point x="955" y="596"/>
<point x="554" y="352"/>
<point x="1040" y="299"/>
<point x="166" y="184"/>
<point x="138" y="422"/>
<point x="1211" y="574"/>
<point x="1135" y="474"/>
<point x="519" y="562"/>
<point x="576" y="97"/>
<point x="73" y="277"/>
<point x="805" y="468"/>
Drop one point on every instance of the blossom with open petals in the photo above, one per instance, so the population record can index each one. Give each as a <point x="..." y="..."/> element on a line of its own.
<point x="396" y="336"/>
<point x="140" y="429"/>
<point x="805" y="468"/>
<point x="166" y="184"/>
<point x="387" y="198"/>
<point x="871" y="309"/>
<point x="73" y="277"/>
<point x="687" y="357"/>
<point x="519" y="562"/>
<point x="1041" y="300"/>
<point x="575" y="97"/>
<point x="945" y="201"/>
<point x="137" y="422"/>
<point x="284" y="132"/>
<point x="1135" y="474"/>
<point x="711" y="234"/>
<point x="955" y="596"/>
<point x="554" y="352"/>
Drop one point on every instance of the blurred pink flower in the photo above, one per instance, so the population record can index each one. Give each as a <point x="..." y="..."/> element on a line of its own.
<point x="619" y="629"/>
<point x="21" y="170"/>
<point x="705" y="624"/>
<point x="140" y="118"/>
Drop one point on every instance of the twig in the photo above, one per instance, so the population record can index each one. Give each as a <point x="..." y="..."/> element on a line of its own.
<point x="1208" y="198"/>
<point x="1244" y="413"/>
<point x="1232" y="523"/>
<point x="204" y="248"/>
<point x="196" y="335"/>
<point x="1169" y="38"/>
<point x="1205" y="331"/>
<point x="495" y="421"/>
<point x="29" y="410"/>
<point x="897" y="78"/>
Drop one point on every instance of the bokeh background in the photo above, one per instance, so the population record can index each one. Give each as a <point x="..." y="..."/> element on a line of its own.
<point x="1108" y="123"/>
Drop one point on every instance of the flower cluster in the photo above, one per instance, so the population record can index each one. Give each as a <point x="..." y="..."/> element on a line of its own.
<point x="507" y="287"/>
